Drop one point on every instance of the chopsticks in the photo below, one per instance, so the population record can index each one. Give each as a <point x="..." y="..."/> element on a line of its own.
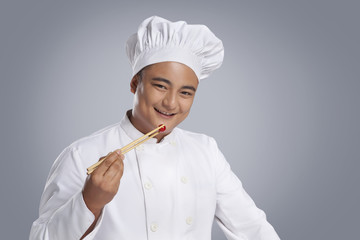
<point x="131" y="145"/>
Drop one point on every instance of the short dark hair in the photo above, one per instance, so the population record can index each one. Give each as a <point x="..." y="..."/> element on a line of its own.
<point x="140" y="73"/>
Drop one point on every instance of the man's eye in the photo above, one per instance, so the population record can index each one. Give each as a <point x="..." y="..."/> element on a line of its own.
<point x="160" y="86"/>
<point x="186" y="93"/>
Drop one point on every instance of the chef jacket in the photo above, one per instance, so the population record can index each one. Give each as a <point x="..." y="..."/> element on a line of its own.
<point x="170" y="190"/>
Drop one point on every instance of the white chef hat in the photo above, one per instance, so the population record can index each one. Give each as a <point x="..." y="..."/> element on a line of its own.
<point x="159" y="40"/>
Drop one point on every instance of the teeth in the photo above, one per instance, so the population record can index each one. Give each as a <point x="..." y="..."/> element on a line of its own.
<point x="165" y="113"/>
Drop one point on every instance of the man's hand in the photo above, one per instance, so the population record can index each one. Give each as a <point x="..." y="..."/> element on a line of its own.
<point x="102" y="185"/>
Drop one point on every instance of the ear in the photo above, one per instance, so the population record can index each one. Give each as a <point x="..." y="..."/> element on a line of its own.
<point x="134" y="83"/>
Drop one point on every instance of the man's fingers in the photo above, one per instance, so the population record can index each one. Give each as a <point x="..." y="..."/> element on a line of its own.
<point x="115" y="171"/>
<point x="104" y="156"/>
<point x="109" y="159"/>
<point x="116" y="168"/>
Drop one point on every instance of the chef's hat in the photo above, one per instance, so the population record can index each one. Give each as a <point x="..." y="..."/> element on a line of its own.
<point x="159" y="40"/>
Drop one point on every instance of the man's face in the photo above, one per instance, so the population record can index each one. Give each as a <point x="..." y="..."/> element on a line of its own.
<point x="164" y="95"/>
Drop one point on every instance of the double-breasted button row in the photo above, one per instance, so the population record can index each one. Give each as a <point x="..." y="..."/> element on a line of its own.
<point x="154" y="226"/>
<point x="148" y="185"/>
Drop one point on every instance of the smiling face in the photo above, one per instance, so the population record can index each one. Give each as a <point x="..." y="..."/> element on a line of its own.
<point x="164" y="93"/>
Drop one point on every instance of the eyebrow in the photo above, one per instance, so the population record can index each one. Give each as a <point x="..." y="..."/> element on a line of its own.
<point x="164" y="80"/>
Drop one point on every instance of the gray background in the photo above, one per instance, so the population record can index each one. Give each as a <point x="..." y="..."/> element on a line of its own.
<point x="284" y="107"/>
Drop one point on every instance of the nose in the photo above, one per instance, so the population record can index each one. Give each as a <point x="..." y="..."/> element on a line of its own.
<point x="170" y="100"/>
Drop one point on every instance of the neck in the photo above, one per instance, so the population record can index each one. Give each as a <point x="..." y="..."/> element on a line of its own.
<point x="143" y="129"/>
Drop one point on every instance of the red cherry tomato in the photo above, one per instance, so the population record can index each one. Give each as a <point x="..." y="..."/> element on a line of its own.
<point x="162" y="129"/>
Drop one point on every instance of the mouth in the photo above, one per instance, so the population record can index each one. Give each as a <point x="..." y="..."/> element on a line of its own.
<point x="165" y="113"/>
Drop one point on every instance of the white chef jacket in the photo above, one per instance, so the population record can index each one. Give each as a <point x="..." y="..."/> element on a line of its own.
<point x="170" y="190"/>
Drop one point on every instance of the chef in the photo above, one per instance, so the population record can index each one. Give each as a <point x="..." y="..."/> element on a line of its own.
<point x="171" y="187"/>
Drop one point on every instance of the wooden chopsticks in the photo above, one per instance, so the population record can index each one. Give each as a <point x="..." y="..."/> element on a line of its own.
<point x="131" y="145"/>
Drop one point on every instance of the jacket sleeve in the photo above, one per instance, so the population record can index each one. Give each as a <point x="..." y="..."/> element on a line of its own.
<point x="236" y="213"/>
<point x="63" y="213"/>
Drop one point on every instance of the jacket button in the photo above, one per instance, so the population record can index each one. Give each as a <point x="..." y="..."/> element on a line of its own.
<point x="184" y="180"/>
<point x="189" y="220"/>
<point x="147" y="186"/>
<point x="140" y="148"/>
<point x="154" y="227"/>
